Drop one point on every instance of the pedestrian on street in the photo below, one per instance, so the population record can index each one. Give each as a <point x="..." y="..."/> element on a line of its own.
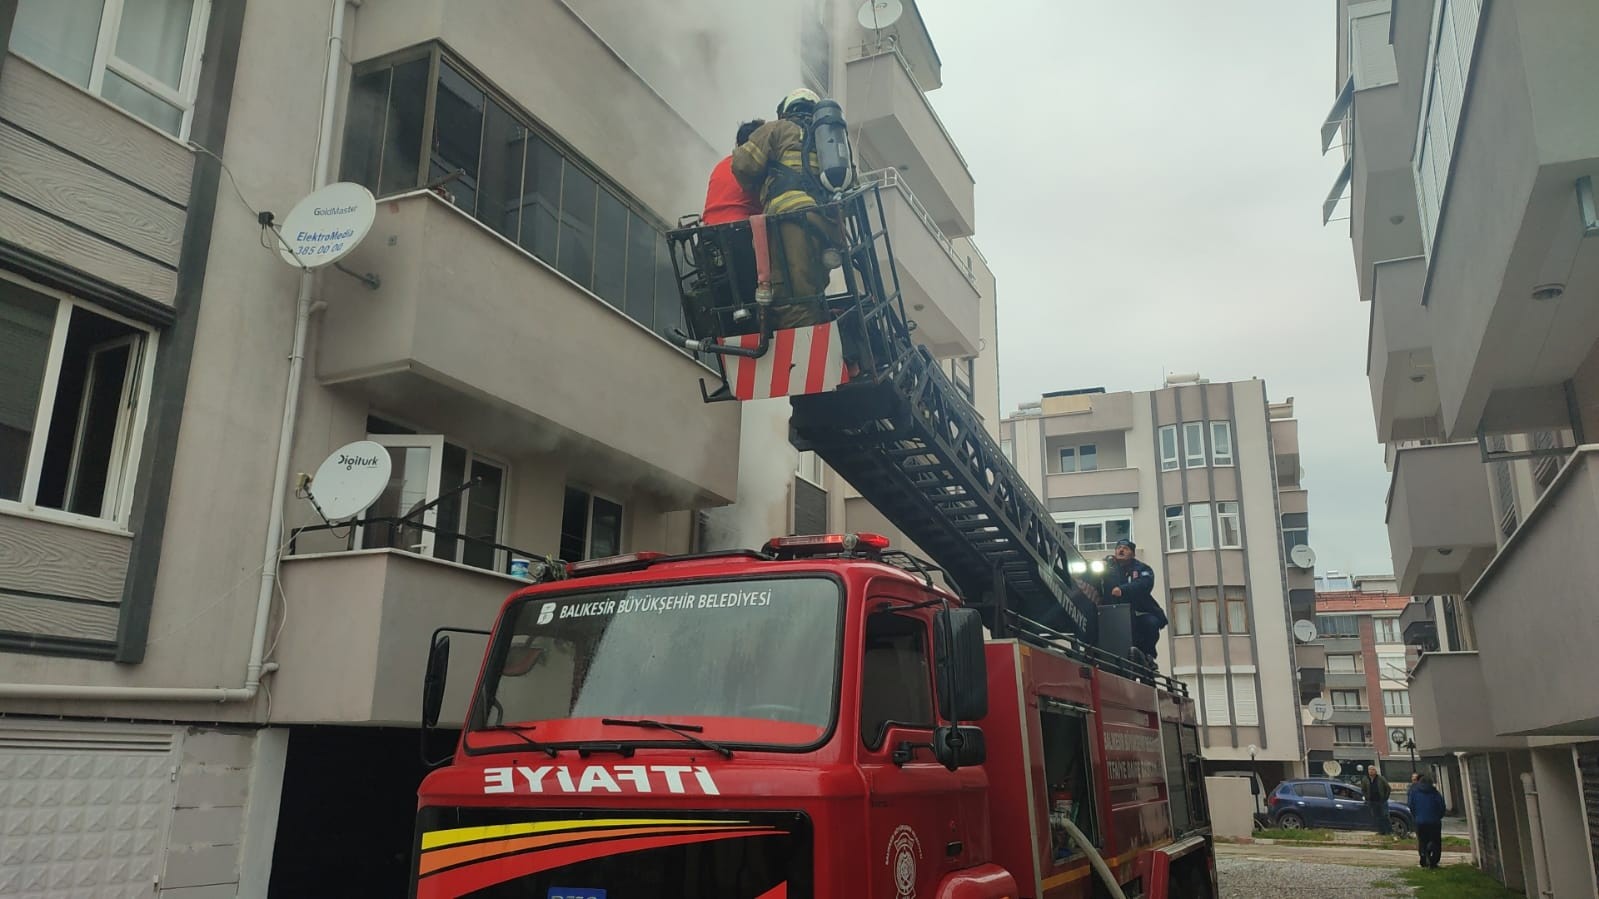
<point x="1377" y="793"/>
<point x="1427" y="807"/>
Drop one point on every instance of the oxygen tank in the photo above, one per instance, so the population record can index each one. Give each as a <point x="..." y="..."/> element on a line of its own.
<point x="835" y="165"/>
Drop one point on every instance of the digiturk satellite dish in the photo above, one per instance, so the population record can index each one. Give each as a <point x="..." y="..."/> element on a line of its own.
<point x="1320" y="709"/>
<point x="350" y="480"/>
<point x="1303" y="556"/>
<point x="325" y="226"/>
<point x="1305" y="631"/>
<point x="1332" y="768"/>
<point x="875" y="15"/>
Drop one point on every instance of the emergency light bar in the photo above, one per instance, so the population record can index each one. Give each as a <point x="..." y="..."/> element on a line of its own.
<point x="611" y="564"/>
<point x="816" y="544"/>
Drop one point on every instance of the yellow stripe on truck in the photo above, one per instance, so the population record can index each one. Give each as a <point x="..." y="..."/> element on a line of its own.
<point x="434" y="839"/>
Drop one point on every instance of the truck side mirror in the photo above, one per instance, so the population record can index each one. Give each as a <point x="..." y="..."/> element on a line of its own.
<point x="959" y="747"/>
<point x="438" y="670"/>
<point x="962" y="666"/>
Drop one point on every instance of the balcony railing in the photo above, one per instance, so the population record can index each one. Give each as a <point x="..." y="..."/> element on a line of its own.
<point x="891" y="178"/>
<point x="867" y="51"/>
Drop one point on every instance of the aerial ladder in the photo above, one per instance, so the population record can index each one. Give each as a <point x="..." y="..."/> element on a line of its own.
<point x="888" y="420"/>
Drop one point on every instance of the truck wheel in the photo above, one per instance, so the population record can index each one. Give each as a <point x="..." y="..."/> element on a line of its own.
<point x="1399" y="826"/>
<point x="1290" y="821"/>
<point x="1192" y="884"/>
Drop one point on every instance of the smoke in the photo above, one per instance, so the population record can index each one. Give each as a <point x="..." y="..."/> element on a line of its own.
<point x="719" y="63"/>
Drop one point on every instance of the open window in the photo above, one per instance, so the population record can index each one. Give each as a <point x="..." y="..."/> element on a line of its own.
<point x="1068" y="773"/>
<point x="896" y="678"/>
<point x="72" y="384"/>
<point x="591" y="526"/>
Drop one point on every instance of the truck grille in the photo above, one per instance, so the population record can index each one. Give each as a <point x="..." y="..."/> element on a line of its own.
<point x="661" y="854"/>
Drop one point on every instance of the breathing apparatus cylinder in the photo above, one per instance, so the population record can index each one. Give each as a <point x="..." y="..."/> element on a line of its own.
<point x="830" y="137"/>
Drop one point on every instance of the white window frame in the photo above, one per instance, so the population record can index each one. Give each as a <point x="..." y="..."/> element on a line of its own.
<point x="1355" y="667"/>
<point x="588" y="519"/>
<point x="1179" y="519"/>
<point x="1392" y="666"/>
<point x="1357" y="704"/>
<point x="1432" y="161"/>
<point x="1389" y="624"/>
<point x="1229" y="600"/>
<point x="502" y="561"/>
<point x="1182" y="612"/>
<point x="1060" y="459"/>
<point x="131" y="423"/>
<point x="1074" y="522"/>
<point x="1389" y="706"/>
<point x="1246" y="711"/>
<point x="1007" y="447"/>
<point x="1168" y="461"/>
<point x="1201" y="512"/>
<point x="1214" y="600"/>
<point x="1223" y="517"/>
<point x="1193" y="456"/>
<point x="1223" y="429"/>
<point x="808" y="469"/>
<point x="106" y="59"/>
<point x="1085" y="450"/>
<point x="434" y="443"/>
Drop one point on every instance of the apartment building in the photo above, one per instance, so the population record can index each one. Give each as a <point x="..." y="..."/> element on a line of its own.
<point x="196" y="699"/>
<point x="1470" y="139"/>
<point x="1204" y="478"/>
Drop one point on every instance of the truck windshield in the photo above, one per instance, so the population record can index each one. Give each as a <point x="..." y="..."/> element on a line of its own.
<point x="749" y="661"/>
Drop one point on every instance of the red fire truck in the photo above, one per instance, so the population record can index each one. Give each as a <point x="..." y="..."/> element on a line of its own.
<point x="824" y="718"/>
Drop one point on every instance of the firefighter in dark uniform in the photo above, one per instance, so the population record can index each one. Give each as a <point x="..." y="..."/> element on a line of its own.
<point x="1127" y="580"/>
<point x="773" y="162"/>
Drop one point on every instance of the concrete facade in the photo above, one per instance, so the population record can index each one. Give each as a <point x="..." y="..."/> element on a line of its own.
<point x="1199" y="475"/>
<point x="1472" y="152"/>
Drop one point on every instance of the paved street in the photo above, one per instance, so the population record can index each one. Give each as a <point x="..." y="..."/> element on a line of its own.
<point x="1257" y="871"/>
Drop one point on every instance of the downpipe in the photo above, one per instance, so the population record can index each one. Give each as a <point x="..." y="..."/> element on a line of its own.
<point x="257" y="667"/>
<point x="1540" y="855"/>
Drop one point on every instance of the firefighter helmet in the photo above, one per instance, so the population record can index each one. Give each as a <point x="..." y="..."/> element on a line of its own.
<point x="800" y="100"/>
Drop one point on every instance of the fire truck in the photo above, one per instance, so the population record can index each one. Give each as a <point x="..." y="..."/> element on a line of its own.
<point x="828" y="716"/>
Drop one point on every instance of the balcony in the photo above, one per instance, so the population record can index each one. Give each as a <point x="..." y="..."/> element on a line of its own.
<point x="1346" y="680"/>
<point x="1399" y="362"/>
<point x="1418" y="627"/>
<point x="1310" y="656"/>
<point x="478" y="338"/>
<point x="940" y="291"/>
<point x="357" y="651"/>
<point x="1069" y="413"/>
<point x="1357" y="751"/>
<point x="1285" y="443"/>
<point x="1350" y="714"/>
<point x="1103" y="482"/>
<point x="1319" y="737"/>
<point x="1533" y="612"/>
<point x="898" y="128"/>
<point x="1449" y="703"/>
<point x="1502" y="156"/>
<point x="1440" y="520"/>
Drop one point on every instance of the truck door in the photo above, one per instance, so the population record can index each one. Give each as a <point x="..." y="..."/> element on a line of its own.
<point x="913" y="820"/>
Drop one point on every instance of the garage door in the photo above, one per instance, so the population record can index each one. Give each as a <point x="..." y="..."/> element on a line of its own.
<point x="84" y="812"/>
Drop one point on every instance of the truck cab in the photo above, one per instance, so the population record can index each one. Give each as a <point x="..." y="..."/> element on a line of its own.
<point x="818" y="719"/>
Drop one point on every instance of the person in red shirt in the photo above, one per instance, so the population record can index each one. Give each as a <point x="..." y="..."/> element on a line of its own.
<point x="725" y="199"/>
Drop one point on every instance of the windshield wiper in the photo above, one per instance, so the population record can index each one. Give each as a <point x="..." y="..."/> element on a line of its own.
<point x="517" y="729"/>
<point x="689" y="732"/>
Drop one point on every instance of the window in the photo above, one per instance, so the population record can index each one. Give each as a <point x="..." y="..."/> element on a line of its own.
<point x="1193" y="444"/>
<point x="1216" y="711"/>
<point x="1346" y="699"/>
<point x="816" y="48"/>
<point x="1449" y="71"/>
<point x="1346" y="793"/>
<point x="1175" y="536"/>
<point x="591" y="526"/>
<point x="1406" y="736"/>
<point x="1221" y="443"/>
<point x="1396" y="702"/>
<point x="1068" y="459"/>
<point x="1069" y="772"/>
<point x="1209" y="614"/>
<point x="463" y="526"/>
<point x="1388" y="630"/>
<point x="1337" y="625"/>
<point x="1008" y="447"/>
<point x="964" y="373"/>
<point x="1202" y="526"/>
<point x="1343" y="663"/>
<point x="494" y="163"/>
<point x="1311" y="790"/>
<point x="810" y="467"/>
<point x="896" y="683"/>
<point x="1227" y="520"/>
<point x="1182" y="613"/>
<point x="1237" y="610"/>
<point x="1294" y="536"/>
<point x="1096" y="531"/>
<point x="141" y="55"/>
<point x="1168" y="448"/>
<point x="1352" y="735"/>
<point x="72" y="389"/>
<point x="1392" y="666"/>
<point x="1246" y="711"/>
<point x="1078" y="458"/>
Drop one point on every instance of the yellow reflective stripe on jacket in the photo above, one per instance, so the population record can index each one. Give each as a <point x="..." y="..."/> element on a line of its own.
<point x="789" y="201"/>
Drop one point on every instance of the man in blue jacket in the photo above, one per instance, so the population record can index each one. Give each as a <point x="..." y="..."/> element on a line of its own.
<point x="1127" y="580"/>
<point x="1427" y="807"/>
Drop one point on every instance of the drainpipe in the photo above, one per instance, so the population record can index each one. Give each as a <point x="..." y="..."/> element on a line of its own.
<point x="257" y="667"/>
<point x="1540" y="852"/>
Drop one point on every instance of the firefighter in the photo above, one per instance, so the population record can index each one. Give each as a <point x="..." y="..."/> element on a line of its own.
<point x="773" y="161"/>
<point x="1127" y="580"/>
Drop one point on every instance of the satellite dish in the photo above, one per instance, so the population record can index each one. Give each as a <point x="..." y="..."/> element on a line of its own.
<point x="325" y="226"/>
<point x="350" y="480"/>
<point x="1305" y="631"/>
<point x="1320" y="709"/>
<point x="875" y="15"/>
<point x="1331" y="768"/>
<point x="1303" y="556"/>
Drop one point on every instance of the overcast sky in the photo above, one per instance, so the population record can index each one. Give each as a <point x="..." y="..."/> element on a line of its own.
<point x="1149" y="189"/>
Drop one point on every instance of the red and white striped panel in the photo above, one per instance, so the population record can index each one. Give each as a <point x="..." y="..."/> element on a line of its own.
<point x="798" y="361"/>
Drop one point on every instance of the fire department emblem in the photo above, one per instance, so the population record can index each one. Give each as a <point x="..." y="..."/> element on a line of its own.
<point x="903" y="857"/>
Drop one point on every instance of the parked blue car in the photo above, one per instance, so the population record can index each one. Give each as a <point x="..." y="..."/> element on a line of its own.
<point x="1323" y="802"/>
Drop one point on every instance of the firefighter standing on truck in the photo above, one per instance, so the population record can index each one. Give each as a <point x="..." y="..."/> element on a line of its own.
<point x="1127" y="580"/>
<point x="777" y="162"/>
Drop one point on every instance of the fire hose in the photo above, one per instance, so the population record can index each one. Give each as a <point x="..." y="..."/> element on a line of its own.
<point x="1081" y="839"/>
